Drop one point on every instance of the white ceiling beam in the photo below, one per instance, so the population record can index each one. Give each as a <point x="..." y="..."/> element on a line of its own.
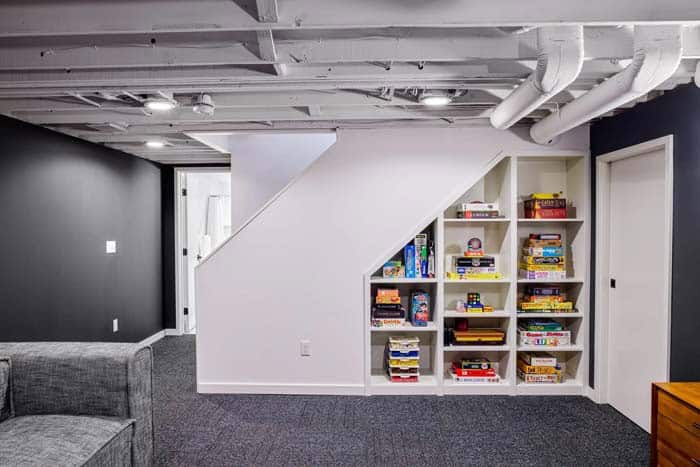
<point x="266" y="45"/>
<point x="22" y="19"/>
<point x="186" y="116"/>
<point x="244" y="100"/>
<point x="408" y="46"/>
<point x="267" y="11"/>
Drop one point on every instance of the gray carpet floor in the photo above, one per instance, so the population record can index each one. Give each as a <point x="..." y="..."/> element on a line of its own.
<point x="228" y="430"/>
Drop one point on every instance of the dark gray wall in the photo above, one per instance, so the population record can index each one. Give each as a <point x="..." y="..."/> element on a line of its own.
<point x="61" y="199"/>
<point x="678" y="113"/>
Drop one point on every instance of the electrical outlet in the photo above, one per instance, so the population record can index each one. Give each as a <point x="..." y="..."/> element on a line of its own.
<point x="111" y="247"/>
<point x="115" y="325"/>
<point x="305" y="348"/>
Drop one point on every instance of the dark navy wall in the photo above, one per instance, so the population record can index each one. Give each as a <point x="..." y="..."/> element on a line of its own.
<point x="675" y="113"/>
<point x="60" y="200"/>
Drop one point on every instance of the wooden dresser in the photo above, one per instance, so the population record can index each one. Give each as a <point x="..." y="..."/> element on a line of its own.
<point x="675" y="424"/>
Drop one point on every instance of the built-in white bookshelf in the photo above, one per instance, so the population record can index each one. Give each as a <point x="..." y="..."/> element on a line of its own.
<point x="507" y="182"/>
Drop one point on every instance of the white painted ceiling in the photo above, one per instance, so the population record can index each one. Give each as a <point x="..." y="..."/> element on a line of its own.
<point x="85" y="68"/>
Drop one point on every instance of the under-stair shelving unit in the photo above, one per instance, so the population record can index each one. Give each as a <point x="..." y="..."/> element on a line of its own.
<point x="507" y="182"/>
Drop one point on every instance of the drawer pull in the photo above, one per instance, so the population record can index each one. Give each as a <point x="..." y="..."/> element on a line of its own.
<point x="695" y="461"/>
<point x="696" y="425"/>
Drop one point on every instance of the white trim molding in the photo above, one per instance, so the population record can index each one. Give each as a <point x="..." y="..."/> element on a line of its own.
<point x="282" y="388"/>
<point x="152" y="339"/>
<point x="602" y="267"/>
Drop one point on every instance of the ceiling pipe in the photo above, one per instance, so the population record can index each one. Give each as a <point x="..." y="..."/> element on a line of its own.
<point x="559" y="62"/>
<point x="657" y="54"/>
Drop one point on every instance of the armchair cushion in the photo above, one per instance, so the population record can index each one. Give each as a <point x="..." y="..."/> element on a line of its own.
<point x="63" y="440"/>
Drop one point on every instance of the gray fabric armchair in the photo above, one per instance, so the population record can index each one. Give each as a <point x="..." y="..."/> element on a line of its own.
<point x="76" y="404"/>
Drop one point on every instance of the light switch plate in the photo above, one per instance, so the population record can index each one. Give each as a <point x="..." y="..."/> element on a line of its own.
<point x="305" y="348"/>
<point x="115" y="325"/>
<point x="111" y="247"/>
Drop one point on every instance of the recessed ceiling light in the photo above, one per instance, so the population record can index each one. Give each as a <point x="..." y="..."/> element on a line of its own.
<point x="159" y="105"/>
<point x="435" y="100"/>
<point x="203" y="105"/>
<point x="155" y="144"/>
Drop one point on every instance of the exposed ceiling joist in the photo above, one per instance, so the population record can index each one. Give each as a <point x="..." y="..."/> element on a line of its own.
<point x="22" y="18"/>
<point x="185" y="116"/>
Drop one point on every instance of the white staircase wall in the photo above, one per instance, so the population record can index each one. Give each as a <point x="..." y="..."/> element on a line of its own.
<point x="263" y="164"/>
<point x="296" y="271"/>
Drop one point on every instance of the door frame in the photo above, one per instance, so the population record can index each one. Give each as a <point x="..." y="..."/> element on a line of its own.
<point x="602" y="266"/>
<point x="180" y="204"/>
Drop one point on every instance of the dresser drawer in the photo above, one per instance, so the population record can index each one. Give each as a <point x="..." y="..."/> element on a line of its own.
<point x="670" y="457"/>
<point x="678" y="438"/>
<point x="685" y="416"/>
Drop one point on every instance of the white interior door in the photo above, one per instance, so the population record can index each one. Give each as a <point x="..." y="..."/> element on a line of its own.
<point x="638" y="351"/>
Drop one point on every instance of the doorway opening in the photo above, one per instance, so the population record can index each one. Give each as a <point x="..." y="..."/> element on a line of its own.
<point x="203" y="223"/>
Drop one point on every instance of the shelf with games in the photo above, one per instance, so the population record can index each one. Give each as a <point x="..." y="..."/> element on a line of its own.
<point x="492" y="211"/>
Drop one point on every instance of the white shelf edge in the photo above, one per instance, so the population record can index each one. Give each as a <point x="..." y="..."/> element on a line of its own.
<point x="493" y="314"/>
<point x="431" y="327"/>
<point x="477" y="281"/>
<point x="501" y="220"/>
<point x="476" y="348"/>
<point x="568" y="280"/>
<point x="572" y="220"/>
<point x="542" y="348"/>
<point x="550" y="315"/>
<point x="402" y="280"/>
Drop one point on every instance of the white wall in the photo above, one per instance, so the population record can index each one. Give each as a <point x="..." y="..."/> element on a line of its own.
<point x="296" y="271"/>
<point x="263" y="164"/>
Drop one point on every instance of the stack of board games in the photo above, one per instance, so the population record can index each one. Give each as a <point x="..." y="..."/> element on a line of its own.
<point x="544" y="299"/>
<point x="545" y="206"/>
<point x="473" y="264"/>
<point x="544" y="332"/>
<point x="543" y="257"/>
<point x="478" y="336"/>
<point x="478" y="210"/>
<point x="403" y="359"/>
<point x="539" y="367"/>
<point x="419" y="257"/>
<point x="387" y="310"/>
<point x="474" y="370"/>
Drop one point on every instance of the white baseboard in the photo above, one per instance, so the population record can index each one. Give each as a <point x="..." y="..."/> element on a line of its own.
<point x="152" y="339"/>
<point x="282" y="388"/>
<point x="172" y="332"/>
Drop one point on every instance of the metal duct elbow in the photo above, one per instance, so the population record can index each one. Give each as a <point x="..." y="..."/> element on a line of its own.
<point x="559" y="62"/>
<point x="658" y="52"/>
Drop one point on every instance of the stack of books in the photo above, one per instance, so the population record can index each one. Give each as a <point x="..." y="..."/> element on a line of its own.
<point x="543" y="258"/>
<point x="545" y="206"/>
<point x="387" y="310"/>
<point x="538" y="367"/>
<point x="478" y="210"/>
<point x="474" y="370"/>
<point x="544" y="299"/>
<point x="542" y="332"/>
<point x="403" y="359"/>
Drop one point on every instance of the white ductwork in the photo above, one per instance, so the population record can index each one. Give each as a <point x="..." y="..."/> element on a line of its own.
<point x="559" y="61"/>
<point x="657" y="54"/>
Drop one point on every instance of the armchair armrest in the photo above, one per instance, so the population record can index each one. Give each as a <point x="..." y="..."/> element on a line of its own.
<point x="95" y="379"/>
